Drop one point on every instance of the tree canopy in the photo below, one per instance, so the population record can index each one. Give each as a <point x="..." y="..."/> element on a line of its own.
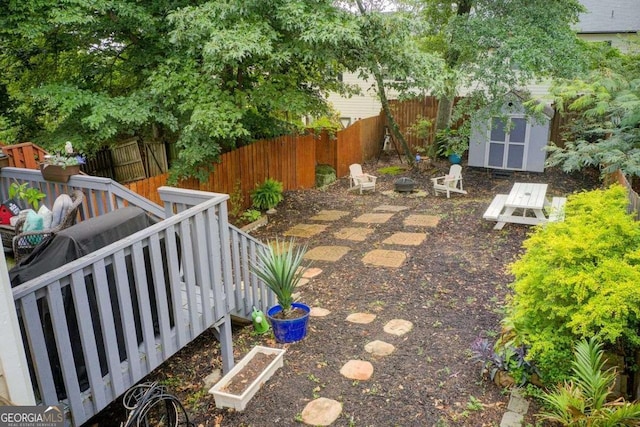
<point x="605" y="108"/>
<point x="492" y="47"/>
<point x="217" y="73"/>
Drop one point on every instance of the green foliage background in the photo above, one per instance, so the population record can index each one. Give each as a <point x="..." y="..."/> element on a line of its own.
<point x="578" y="279"/>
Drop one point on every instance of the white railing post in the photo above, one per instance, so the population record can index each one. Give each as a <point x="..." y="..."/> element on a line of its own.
<point x="12" y="354"/>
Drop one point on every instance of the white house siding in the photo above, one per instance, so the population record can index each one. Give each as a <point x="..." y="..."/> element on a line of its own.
<point x="360" y="106"/>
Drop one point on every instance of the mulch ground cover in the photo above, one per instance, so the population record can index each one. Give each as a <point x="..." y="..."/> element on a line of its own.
<point x="452" y="287"/>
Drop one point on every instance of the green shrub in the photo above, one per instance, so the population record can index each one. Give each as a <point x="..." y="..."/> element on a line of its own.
<point x="267" y="195"/>
<point x="579" y="278"/>
<point x="251" y="215"/>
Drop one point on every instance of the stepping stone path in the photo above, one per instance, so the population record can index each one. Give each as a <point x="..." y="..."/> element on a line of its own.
<point x="373" y="218"/>
<point x="379" y="348"/>
<point x="324" y="411"/>
<point x="310" y="273"/>
<point x="321" y="412"/>
<point x="305" y="230"/>
<point x="422" y="220"/>
<point x="384" y="258"/>
<point x="360" y="370"/>
<point x="362" y="318"/>
<point x="353" y="233"/>
<point x="327" y="253"/>
<point x="390" y="208"/>
<point x="319" y="312"/>
<point x="409" y="239"/>
<point x="329" y="215"/>
<point x="398" y="327"/>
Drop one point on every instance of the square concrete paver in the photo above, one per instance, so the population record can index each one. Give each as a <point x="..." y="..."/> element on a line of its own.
<point x="422" y="220"/>
<point x="384" y="258"/>
<point x="305" y="230"/>
<point x="373" y="218"/>
<point x="357" y="234"/>
<point x="329" y="215"/>
<point x="390" y="208"/>
<point x="407" y="239"/>
<point x="327" y="253"/>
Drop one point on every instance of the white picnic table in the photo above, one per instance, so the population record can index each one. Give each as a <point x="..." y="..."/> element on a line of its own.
<point x="524" y="199"/>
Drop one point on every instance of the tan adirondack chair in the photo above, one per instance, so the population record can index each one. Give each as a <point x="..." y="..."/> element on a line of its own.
<point x="450" y="183"/>
<point x="360" y="180"/>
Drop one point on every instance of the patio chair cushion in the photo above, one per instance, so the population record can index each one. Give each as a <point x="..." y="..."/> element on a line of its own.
<point x="60" y="207"/>
<point x="47" y="216"/>
<point x="33" y="222"/>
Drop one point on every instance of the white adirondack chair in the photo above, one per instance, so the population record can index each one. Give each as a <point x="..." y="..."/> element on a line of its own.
<point x="360" y="180"/>
<point x="450" y="183"/>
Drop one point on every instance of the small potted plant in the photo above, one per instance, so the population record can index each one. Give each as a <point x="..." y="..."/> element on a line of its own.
<point x="452" y="144"/>
<point x="59" y="168"/>
<point x="280" y="267"/>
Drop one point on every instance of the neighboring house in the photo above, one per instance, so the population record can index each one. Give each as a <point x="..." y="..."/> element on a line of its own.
<point x="360" y="106"/>
<point x="612" y="21"/>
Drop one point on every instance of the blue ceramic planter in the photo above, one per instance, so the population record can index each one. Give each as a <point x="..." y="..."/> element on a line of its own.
<point x="290" y="330"/>
<point x="455" y="159"/>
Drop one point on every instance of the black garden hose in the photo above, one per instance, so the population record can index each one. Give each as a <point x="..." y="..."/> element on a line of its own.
<point x="149" y="404"/>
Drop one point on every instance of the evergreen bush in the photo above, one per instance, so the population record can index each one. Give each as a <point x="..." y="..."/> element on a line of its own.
<point x="578" y="279"/>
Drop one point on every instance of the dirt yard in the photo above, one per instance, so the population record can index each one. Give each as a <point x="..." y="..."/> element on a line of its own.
<point x="451" y="287"/>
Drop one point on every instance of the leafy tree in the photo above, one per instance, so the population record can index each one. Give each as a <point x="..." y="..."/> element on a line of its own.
<point x="78" y="70"/>
<point x="491" y="47"/>
<point x="390" y="54"/>
<point x="249" y="69"/>
<point x="210" y="74"/>
<point x="606" y="106"/>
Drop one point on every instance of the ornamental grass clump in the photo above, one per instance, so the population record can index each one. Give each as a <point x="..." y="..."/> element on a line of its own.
<point x="280" y="267"/>
<point x="267" y="195"/>
<point x="584" y="399"/>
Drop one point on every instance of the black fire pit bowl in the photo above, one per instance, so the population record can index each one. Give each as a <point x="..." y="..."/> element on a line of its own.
<point x="404" y="185"/>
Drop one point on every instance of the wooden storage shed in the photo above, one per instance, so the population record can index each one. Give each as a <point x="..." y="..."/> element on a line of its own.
<point x="517" y="146"/>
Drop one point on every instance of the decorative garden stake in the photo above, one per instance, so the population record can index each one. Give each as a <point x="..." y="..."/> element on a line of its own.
<point x="260" y="323"/>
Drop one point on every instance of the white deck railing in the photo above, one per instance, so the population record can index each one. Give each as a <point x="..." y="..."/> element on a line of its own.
<point x="96" y="326"/>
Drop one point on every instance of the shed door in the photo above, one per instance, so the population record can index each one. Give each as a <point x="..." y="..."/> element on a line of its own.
<point x="507" y="149"/>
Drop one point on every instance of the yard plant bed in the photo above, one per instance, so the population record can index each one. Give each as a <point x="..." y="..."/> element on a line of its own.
<point x="248" y="374"/>
<point x="451" y="287"/>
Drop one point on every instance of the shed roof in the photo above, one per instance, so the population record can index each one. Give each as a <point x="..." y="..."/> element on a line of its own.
<point x="609" y="16"/>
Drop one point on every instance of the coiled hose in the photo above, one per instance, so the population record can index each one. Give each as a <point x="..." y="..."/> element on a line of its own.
<point x="149" y="404"/>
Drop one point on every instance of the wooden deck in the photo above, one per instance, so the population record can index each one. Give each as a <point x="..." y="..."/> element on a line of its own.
<point x="137" y="301"/>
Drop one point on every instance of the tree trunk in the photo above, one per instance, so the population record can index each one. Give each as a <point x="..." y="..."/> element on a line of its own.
<point x="393" y="126"/>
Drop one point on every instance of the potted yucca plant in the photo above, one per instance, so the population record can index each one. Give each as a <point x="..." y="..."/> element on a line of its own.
<point x="280" y="267"/>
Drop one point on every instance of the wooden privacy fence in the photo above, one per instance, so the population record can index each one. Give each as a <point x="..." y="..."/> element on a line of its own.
<point x="289" y="159"/>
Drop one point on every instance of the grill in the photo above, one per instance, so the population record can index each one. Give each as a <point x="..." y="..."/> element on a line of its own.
<point x="405" y="185"/>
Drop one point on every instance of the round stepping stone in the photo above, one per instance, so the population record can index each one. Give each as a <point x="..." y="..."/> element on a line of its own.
<point x="379" y="348"/>
<point x="310" y="273"/>
<point x="321" y="412"/>
<point x="362" y="318"/>
<point x="319" y="312"/>
<point x="398" y="327"/>
<point x="360" y="370"/>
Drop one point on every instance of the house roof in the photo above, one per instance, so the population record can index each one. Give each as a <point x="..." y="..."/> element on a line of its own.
<point x="609" y="16"/>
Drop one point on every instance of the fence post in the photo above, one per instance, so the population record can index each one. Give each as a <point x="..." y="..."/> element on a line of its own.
<point x="12" y="355"/>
